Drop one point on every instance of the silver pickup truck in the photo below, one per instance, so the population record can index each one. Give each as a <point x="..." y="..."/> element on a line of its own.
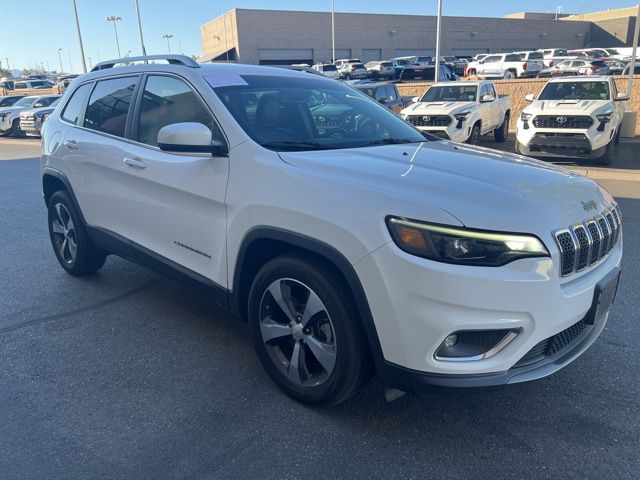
<point x="461" y="111"/>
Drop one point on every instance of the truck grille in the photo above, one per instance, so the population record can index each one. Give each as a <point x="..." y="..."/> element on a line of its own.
<point x="586" y="244"/>
<point x="429" y="120"/>
<point x="561" y="121"/>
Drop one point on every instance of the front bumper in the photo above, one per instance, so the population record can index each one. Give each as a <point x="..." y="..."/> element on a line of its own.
<point x="452" y="133"/>
<point x="417" y="303"/>
<point x="578" y="143"/>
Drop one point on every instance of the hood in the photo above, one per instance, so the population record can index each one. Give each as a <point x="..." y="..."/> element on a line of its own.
<point x="33" y="111"/>
<point x="482" y="188"/>
<point x="440" y="108"/>
<point x="568" y="107"/>
<point x="14" y="110"/>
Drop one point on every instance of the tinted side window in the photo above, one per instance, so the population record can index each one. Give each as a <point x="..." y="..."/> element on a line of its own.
<point x="168" y="100"/>
<point x="76" y="103"/>
<point x="391" y="93"/>
<point x="46" y="101"/>
<point x="512" y="58"/>
<point x="109" y="105"/>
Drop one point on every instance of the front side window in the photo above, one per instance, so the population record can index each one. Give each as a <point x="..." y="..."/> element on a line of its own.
<point x="165" y="101"/>
<point x="293" y="113"/>
<point x="109" y="105"/>
<point x="575" y="91"/>
<point x="73" y="110"/>
<point x="492" y="59"/>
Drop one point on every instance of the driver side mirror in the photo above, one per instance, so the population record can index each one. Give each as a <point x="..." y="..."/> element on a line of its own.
<point x="487" y="97"/>
<point x="415" y="99"/>
<point x="190" y="137"/>
<point x="621" y="97"/>
<point x="529" y="97"/>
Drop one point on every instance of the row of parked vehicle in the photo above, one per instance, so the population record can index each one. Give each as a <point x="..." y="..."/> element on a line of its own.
<point x="24" y="115"/>
<point x="36" y="82"/>
<point x="578" y="117"/>
<point x="553" y="62"/>
<point x="413" y="67"/>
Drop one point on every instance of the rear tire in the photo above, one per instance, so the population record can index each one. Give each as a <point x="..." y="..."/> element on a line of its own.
<point x="607" y="157"/>
<point x="474" y="136"/>
<point x="501" y="133"/>
<point x="71" y="243"/>
<point x="306" y="332"/>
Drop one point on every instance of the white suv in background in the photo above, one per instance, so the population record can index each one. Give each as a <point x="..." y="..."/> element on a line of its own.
<point x="572" y="117"/>
<point x="349" y="241"/>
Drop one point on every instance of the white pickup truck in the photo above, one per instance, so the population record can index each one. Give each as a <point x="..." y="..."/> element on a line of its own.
<point x="461" y="111"/>
<point x="572" y="117"/>
<point x="504" y="65"/>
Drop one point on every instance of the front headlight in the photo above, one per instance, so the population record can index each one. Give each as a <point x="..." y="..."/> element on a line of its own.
<point x="462" y="246"/>
<point x="525" y="117"/>
<point x="605" y="117"/>
<point x="462" y="115"/>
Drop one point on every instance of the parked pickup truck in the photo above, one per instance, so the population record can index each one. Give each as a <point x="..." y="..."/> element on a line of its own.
<point x="461" y="111"/>
<point x="575" y="117"/>
<point x="31" y="121"/>
<point x="504" y="65"/>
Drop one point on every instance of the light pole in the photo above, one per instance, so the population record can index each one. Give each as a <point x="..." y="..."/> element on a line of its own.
<point x="333" y="30"/>
<point x="84" y="64"/>
<point x="439" y="21"/>
<point x="168" y="36"/>
<point x="144" y="50"/>
<point x="60" y="58"/>
<point x="70" y="63"/>
<point x="90" y="64"/>
<point x="8" y="67"/>
<point x="115" y="19"/>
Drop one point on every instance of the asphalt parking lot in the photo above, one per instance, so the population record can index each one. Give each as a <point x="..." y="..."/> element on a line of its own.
<point x="130" y="375"/>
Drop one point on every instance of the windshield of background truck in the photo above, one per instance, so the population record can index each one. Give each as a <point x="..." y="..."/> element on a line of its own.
<point x="301" y="113"/>
<point x="575" y="91"/>
<point x="466" y="93"/>
<point x="25" y="102"/>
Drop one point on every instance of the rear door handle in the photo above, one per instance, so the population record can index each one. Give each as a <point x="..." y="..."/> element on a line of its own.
<point x="71" y="144"/>
<point x="134" y="162"/>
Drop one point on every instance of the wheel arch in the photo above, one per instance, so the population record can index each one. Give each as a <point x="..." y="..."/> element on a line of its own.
<point x="261" y="244"/>
<point x="54" y="180"/>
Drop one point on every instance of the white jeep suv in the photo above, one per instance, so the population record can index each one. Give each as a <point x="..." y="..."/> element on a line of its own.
<point x="351" y="242"/>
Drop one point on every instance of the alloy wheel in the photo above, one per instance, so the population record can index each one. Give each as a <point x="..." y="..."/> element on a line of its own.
<point x="64" y="233"/>
<point x="297" y="332"/>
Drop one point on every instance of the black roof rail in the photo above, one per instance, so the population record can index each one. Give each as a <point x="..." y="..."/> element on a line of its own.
<point x="172" y="59"/>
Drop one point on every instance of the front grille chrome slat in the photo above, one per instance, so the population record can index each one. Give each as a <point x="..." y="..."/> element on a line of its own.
<point x="555" y="121"/>
<point x="586" y="244"/>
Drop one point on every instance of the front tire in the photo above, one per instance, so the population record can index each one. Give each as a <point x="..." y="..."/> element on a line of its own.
<point x="73" y="247"/>
<point x="306" y="332"/>
<point x="607" y="157"/>
<point x="474" y="136"/>
<point x="501" y="133"/>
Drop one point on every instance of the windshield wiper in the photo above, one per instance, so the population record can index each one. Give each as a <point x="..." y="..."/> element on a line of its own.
<point x="391" y="141"/>
<point x="291" y="145"/>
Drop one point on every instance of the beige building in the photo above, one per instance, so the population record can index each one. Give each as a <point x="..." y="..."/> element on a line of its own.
<point x="271" y="37"/>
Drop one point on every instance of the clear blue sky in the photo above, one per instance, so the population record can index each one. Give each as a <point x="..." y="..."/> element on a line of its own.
<point x="34" y="34"/>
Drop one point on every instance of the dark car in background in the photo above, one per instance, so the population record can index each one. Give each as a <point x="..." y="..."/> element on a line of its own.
<point x="384" y="92"/>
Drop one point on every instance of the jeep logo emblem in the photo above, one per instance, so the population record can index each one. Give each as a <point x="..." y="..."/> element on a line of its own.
<point x="426" y="118"/>
<point x="561" y="120"/>
<point x="590" y="205"/>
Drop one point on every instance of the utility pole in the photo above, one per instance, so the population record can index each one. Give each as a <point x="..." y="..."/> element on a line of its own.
<point x="70" y="63"/>
<point x="168" y="36"/>
<point x="84" y="64"/>
<point x="634" y="54"/>
<point x="144" y="50"/>
<point x="60" y="58"/>
<point x="438" y="25"/>
<point x="115" y="19"/>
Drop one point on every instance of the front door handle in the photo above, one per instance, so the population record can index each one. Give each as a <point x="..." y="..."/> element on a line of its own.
<point x="71" y="144"/>
<point x="134" y="162"/>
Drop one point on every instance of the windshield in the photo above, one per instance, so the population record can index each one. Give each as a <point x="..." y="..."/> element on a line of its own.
<point x="292" y="113"/>
<point x="402" y="61"/>
<point x="613" y="51"/>
<point x="575" y="91"/>
<point x="329" y="68"/>
<point x="25" y="102"/>
<point x="454" y="93"/>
